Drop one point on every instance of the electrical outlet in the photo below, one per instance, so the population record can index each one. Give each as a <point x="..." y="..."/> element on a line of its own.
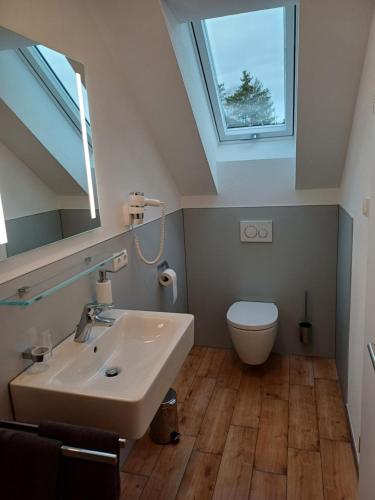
<point x="120" y="260"/>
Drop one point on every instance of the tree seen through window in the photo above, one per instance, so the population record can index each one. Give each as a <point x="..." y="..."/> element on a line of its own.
<point x="248" y="105"/>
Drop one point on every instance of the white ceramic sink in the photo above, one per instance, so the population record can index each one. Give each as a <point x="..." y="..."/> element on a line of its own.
<point x="148" y="348"/>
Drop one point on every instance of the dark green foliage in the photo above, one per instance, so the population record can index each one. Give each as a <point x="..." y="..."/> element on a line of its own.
<point x="249" y="105"/>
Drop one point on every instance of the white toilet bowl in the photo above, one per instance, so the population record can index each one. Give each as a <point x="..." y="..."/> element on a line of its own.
<point x="253" y="328"/>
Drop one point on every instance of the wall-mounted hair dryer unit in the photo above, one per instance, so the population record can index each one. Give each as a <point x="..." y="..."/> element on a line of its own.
<point x="134" y="213"/>
<point x="136" y="207"/>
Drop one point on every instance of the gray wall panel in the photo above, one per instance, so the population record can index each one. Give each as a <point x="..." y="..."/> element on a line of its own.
<point x="77" y="221"/>
<point x="222" y="270"/>
<point x="344" y="277"/>
<point x="134" y="287"/>
<point x="33" y="231"/>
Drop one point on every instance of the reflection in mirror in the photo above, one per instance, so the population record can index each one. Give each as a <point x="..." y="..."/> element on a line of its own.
<point x="47" y="176"/>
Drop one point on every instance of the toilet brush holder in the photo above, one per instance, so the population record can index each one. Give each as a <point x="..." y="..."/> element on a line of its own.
<point x="305" y="327"/>
<point x="305" y="332"/>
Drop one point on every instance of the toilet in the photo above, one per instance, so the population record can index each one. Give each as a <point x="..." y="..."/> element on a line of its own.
<point x="253" y="328"/>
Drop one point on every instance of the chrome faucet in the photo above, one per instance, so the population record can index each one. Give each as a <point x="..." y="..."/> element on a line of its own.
<point x="89" y="318"/>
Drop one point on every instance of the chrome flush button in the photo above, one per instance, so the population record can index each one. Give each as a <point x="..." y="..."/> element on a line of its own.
<point x="251" y="231"/>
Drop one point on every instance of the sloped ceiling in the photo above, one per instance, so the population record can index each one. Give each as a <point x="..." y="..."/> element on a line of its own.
<point x="137" y="36"/>
<point x="18" y="138"/>
<point x="332" y="39"/>
<point x="332" y="36"/>
<point x="332" y="47"/>
<point x="332" y="43"/>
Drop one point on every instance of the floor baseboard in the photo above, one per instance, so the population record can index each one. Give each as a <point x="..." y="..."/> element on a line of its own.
<point x="352" y="440"/>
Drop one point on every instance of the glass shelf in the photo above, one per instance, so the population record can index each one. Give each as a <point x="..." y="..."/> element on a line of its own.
<point x="29" y="294"/>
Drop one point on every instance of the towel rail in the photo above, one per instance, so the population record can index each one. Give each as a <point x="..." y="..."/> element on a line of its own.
<point x="90" y="455"/>
<point x="68" y="451"/>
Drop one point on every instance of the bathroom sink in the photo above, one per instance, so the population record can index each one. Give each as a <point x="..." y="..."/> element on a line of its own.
<point x="115" y="381"/>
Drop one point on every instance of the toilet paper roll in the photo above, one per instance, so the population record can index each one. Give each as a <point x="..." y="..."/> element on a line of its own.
<point x="169" y="278"/>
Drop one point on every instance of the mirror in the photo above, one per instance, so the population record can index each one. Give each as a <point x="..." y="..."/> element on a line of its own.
<point x="47" y="176"/>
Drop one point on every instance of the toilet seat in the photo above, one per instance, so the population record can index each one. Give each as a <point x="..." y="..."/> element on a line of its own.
<point x="252" y="316"/>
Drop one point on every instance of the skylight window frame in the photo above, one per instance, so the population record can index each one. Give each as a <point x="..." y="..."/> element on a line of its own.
<point x="45" y="74"/>
<point x="211" y="85"/>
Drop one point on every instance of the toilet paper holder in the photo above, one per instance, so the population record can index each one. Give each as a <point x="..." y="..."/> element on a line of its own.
<point x="168" y="278"/>
<point x="162" y="266"/>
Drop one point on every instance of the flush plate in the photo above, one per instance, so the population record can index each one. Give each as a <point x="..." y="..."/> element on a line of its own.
<point x="256" y="231"/>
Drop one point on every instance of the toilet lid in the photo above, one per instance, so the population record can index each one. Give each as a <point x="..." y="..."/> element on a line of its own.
<point x="252" y="315"/>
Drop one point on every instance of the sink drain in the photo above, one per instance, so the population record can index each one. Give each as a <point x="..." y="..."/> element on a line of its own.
<point x="112" y="372"/>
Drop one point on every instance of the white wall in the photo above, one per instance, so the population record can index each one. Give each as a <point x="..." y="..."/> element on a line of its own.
<point x="22" y="192"/>
<point x="187" y="10"/>
<point x="126" y="157"/>
<point x="355" y="186"/>
<point x="73" y="202"/>
<point x="260" y="183"/>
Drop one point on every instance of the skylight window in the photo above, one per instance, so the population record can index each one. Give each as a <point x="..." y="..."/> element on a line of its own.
<point x="248" y="66"/>
<point x="56" y="73"/>
<point x="64" y="72"/>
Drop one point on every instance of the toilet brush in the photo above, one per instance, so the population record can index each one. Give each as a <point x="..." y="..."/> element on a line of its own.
<point x="305" y="327"/>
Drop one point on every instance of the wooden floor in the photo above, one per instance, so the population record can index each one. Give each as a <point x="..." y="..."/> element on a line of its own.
<point x="270" y="433"/>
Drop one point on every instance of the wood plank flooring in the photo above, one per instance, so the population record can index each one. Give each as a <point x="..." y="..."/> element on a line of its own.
<point x="276" y="432"/>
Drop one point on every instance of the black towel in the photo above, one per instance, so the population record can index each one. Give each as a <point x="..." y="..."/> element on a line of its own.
<point x="84" y="480"/>
<point x="29" y="466"/>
